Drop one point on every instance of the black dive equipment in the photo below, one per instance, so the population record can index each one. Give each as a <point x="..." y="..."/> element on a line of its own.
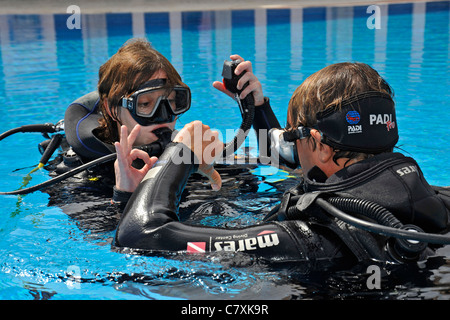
<point x="42" y="128"/>
<point x="246" y="105"/>
<point x="153" y="102"/>
<point x="407" y="241"/>
<point x="370" y="115"/>
<point x="363" y="123"/>
<point x="48" y="147"/>
<point x="153" y="149"/>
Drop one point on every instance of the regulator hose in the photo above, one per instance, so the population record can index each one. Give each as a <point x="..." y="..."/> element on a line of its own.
<point x="42" y="128"/>
<point x="248" y="109"/>
<point x="383" y="229"/>
<point x="104" y="159"/>
<point x="368" y="209"/>
<point x="386" y="223"/>
<point x="246" y="105"/>
<point x="155" y="148"/>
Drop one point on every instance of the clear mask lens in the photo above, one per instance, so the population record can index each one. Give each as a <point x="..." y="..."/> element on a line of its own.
<point x="282" y="142"/>
<point x="148" y="101"/>
<point x="286" y="150"/>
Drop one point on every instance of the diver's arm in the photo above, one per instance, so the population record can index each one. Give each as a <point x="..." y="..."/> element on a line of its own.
<point x="155" y="200"/>
<point x="263" y="121"/>
<point x="150" y="220"/>
<point x="120" y="198"/>
<point x="265" y="118"/>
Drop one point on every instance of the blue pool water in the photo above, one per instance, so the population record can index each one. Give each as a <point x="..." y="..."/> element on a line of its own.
<point x="46" y="253"/>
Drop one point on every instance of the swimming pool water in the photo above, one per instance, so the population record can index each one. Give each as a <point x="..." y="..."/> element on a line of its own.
<point x="47" y="254"/>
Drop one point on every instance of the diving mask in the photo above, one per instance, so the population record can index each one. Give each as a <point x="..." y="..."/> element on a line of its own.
<point x="155" y="102"/>
<point x="283" y="142"/>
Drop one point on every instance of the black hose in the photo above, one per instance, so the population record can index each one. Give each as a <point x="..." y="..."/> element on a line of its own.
<point x="247" y="121"/>
<point x="42" y="128"/>
<point x="368" y="209"/>
<point x="382" y="229"/>
<point x="246" y="105"/>
<point x="155" y="148"/>
<point x="54" y="144"/>
<point x="386" y="223"/>
<point x="104" y="159"/>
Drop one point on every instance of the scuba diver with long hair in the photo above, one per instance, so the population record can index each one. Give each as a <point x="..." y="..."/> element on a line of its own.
<point x="139" y="91"/>
<point x="137" y="88"/>
<point x="358" y="200"/>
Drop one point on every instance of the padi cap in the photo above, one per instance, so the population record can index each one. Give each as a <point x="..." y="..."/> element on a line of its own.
<point x="364" y="123"/>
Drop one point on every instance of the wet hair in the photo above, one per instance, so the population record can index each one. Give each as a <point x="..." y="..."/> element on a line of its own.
<point x="327" y="88"/>
<point x="133" y="64"/>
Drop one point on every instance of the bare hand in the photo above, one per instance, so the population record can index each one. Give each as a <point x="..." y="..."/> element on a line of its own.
<point x="206" y="146"/>
<point x="128" y="177"/>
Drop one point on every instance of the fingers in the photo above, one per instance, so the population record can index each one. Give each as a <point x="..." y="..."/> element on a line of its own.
<point x="125" y="154"/>
<point x="127" y="177"/>
<point x="219" y="86"/>
<point x="206" y="145"/>
<point x="239" y="69"/>
<point x="124" y="137"/>
<point x="254" y="87"/>
<point x="121" y="158"/>
<point x="236" y="57"/>
<point x="203" y="141"/>
<point x="127" y="140"/>
<point x="148" y="165"/>
<point x="243" y="66"/>
<point x="139" y="154"/>
<point x="213" y="176"/>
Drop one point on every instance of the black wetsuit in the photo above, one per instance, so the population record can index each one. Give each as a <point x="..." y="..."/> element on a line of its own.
<point x="150" y="220"/>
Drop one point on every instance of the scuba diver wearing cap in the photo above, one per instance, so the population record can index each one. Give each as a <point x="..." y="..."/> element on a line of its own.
<point x="341" y="131"/>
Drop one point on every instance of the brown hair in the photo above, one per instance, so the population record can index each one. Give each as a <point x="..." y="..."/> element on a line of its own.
<point x="133" y="64"/>
<point x="328" y="88"/>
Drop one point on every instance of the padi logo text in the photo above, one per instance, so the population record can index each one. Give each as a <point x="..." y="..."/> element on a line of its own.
<point x="354" y="129"/>
<point x="262" y="240"/>
<point x="380" y="118"/>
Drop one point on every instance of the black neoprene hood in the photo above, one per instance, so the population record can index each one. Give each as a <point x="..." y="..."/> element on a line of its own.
<point x="363" y="123"/>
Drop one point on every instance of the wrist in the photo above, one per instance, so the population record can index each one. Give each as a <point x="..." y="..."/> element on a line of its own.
<point x="263" y="102"/>
<point x="120" y="196"/>
<point x="260" y="102"/>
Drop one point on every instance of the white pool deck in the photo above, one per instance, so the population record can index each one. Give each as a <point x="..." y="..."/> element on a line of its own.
<point x="93" y="6"/>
